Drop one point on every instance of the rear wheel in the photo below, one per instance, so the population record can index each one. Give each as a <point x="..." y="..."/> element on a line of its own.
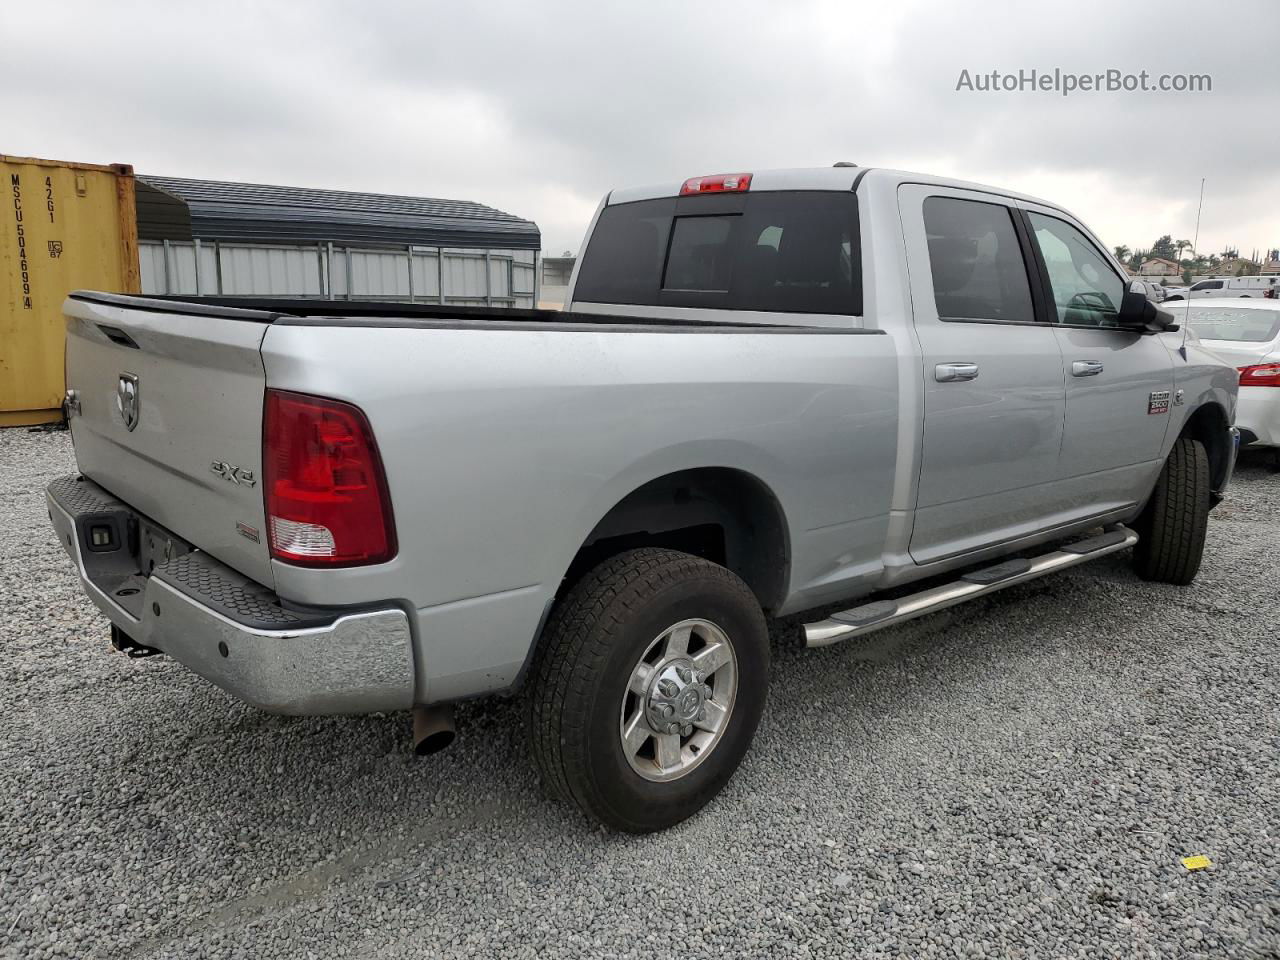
<point x="1172" y="527"/>
<point x="648" y="688"/>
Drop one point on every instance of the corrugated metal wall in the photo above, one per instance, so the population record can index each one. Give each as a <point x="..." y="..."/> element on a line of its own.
<point x="469" y="276"/>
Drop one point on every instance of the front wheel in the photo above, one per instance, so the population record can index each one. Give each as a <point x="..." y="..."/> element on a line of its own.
<point x="648" y="688"/>
<point x="1172" y="527"/>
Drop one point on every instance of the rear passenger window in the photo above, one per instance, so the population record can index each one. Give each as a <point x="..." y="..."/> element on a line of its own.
<point x="977" y="264"/>
<point x="785" y="251"/>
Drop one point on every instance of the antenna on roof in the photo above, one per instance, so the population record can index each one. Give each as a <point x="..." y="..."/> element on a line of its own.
<point x="844" y="163"/>
<point x="1195" y="246"/>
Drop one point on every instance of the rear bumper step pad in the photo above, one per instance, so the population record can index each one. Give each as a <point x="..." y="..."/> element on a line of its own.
<point x="227" y="628"/>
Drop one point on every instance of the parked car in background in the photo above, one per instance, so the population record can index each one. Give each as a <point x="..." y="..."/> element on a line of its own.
<point x="1245" y="333"/>
<point x="1262" y="286"/>
<point x="769" y="393"/>
<point x="1154" y="290"/>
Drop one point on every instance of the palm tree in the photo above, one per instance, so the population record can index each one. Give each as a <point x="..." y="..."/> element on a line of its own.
<point x="1122" y="253"/>
<point x="1182" y="245"/>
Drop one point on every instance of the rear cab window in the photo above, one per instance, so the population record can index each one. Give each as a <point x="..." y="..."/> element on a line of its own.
<point x="784" y="251"/>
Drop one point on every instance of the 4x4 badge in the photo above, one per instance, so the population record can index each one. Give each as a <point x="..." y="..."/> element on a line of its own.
<point x="229" y="471"/>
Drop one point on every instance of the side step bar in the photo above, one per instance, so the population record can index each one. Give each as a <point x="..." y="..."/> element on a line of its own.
<point x="884" y="613"/>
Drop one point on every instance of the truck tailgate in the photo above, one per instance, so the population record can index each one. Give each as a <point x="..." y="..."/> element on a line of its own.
<point x="170" y="419"/>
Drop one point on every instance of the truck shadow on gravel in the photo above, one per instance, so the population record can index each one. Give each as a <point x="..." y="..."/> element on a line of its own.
<point x="215" y="748"/>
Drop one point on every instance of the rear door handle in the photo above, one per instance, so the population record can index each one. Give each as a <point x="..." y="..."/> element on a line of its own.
<point x="1086" y="368"/>
<point x="951" y="372"/>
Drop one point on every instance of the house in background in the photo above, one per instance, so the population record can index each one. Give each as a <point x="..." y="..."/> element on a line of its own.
<point x="1237" y="267"/>
<point x="1159" y="267"/>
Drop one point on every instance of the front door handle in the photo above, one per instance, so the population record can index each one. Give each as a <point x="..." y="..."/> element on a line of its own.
<point x="1086" y="368"/>
<point x="951" y="372"/>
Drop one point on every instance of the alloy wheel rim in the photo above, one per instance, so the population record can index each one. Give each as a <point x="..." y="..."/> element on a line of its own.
<point x="678" y="700"/>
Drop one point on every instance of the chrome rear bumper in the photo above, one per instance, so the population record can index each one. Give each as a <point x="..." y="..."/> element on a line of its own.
<point x="228" y="629"/>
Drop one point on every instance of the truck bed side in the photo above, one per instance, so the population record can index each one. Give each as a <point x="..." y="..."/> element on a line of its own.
<point x="481" y="427"/>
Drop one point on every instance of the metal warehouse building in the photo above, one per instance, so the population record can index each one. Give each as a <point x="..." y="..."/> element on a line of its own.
<point x="206" y="237"/>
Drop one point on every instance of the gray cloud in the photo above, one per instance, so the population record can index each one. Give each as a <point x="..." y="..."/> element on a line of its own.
<point x="541" y="108"/>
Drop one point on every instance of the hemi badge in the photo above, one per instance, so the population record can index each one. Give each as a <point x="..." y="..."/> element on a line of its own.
<point x="1159" y="402"/>
<point x="247" y="531"/>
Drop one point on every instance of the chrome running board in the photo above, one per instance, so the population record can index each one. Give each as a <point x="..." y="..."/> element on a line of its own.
<point x="878" y="614"/>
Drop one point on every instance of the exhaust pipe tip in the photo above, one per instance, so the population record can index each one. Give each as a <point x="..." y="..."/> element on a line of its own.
<point x="433" y="728"/>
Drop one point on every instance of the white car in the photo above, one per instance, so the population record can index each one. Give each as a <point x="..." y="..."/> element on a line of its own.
<point x="1245" y="333"/>
<point x="1248" y="287"/>
<point x="1155" y="290"/>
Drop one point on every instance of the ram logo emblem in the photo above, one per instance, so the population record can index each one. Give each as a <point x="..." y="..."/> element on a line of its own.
<point x="127" y="399"/>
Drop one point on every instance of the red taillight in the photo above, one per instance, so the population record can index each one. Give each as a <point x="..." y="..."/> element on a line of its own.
<point x="1260" y="375"/>
<point x="326" y="495"/>
<point x="720" y="183"/>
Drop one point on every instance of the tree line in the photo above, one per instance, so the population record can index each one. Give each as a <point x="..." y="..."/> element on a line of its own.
<point x="1167" y="248"/>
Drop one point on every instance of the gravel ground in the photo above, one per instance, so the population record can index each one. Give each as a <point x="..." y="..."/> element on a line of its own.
<point x="1018" y="777"/>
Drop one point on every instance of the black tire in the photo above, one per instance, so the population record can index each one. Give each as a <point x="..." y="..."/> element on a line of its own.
<point x="596" y="635"/>
<point x="1171" y="528"/>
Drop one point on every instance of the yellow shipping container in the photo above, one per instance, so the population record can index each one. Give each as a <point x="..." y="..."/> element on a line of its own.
<point x="67" y="226"/>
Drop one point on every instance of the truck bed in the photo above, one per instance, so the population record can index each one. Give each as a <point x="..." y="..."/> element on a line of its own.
<point x="403" y="313"/>
<point x="506" y="436"/>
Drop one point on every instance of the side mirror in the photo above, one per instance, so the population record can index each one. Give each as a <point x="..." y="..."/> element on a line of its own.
<point x="1140" y="314"/>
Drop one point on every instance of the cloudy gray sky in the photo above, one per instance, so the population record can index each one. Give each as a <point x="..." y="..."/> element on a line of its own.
<point x="540" y="107"/>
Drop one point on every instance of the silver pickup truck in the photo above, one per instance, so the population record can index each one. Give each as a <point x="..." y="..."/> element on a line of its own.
<point x="867" y="391"/>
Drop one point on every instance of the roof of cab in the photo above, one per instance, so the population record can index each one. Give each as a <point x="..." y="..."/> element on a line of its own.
<point x="822" y="178"/>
